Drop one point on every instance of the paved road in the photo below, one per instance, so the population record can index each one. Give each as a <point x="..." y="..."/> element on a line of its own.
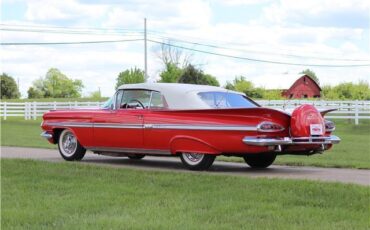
<point x="354" y="176"/>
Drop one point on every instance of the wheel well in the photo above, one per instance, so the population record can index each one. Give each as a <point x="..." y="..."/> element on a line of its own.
<point x="56" y="135"/>
<point x="181" y="144"/>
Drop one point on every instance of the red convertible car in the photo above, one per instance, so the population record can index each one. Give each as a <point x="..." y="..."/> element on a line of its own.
<point x="194" y="122"/>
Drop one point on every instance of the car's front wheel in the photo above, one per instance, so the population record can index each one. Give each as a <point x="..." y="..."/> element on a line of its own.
<point x="260" y="160"/>
<point x="69" y="147"/>
<point x="197" y="161"/>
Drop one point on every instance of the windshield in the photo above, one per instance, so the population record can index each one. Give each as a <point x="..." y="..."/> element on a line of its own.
<point x="108" y="104"/>
<point x="226" y="100"/>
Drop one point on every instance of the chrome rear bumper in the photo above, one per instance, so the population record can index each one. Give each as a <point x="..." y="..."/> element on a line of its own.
<point x="46" y="135"/>
<point x="291" y="141"/>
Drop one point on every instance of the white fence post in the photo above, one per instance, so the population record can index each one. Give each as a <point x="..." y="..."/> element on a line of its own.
<point x="34" y="110"/>
<point x="29" y="110"/>
<point x="25" y="110"/>
<point x="55" y="105"/>
<point x="4" y="111"/>
<point x="356" y="113"/>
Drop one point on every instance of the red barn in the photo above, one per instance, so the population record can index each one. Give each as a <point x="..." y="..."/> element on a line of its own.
<point x="303" y="87"/>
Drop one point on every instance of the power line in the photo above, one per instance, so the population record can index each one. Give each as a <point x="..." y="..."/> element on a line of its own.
<point x="70" y="28"/>
<point x="65" y="43"/>
<point x="260" y="52"/>
<point x="130" y="32"/>
<point x="181" y="47"/>
<point x="256" y="60"/>
<point x="239" y="44"/>
<point x="69" y="32"/>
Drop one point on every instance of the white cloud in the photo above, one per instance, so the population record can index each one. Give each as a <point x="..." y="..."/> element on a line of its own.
<point x="165" y="15"/>
<point x="332" y="13"/>
<point x="44" y="10"/>
<point x="243" y="2"/>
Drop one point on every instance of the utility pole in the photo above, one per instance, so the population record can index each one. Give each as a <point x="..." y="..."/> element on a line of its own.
<point x="145" y="54"/>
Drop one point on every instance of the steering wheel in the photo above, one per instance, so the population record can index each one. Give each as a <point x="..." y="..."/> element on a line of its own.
<point x="135" y="100"/>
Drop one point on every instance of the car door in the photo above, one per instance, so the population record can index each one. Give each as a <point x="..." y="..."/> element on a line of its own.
<point x="156" y="138"/>
<point x="119" y="128"/>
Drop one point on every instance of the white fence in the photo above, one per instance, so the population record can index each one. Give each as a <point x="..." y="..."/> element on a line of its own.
<point x="32" y="110"/>
<point x="355" y="110"/>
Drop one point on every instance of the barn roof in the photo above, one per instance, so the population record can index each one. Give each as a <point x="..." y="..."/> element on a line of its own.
<point x="280" y="81"/>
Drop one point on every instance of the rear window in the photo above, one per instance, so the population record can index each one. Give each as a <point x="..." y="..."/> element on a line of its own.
<point x="226" y="100"/>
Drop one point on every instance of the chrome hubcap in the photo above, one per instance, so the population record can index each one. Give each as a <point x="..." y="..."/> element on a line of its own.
<point x="69" y="144"/>
<point x="193" y="158"/>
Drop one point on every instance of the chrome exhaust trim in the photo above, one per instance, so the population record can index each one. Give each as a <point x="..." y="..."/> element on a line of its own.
<point x="46" y="135"/>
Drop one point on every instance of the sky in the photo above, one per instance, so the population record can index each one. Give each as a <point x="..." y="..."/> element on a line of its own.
<point x="285" y="37"/>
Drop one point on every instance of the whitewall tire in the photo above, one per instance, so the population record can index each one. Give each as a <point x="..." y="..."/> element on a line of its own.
<point x="197" y="161"/>
<point x="69" y="147"/>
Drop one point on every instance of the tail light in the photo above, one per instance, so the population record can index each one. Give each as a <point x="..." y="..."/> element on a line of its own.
<point x="269" y="127"/>
<point x="329" y="126"/>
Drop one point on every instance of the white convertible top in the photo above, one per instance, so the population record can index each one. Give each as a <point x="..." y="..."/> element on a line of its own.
<point x="180" y="96"/>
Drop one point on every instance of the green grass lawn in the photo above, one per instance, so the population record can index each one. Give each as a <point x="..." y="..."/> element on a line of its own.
<point x="25" y="133"/>
<point x="43" y="195"/>
<point x="352" y="152"/>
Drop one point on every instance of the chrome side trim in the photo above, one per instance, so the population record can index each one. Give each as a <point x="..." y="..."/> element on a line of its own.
<point x="96" y="125"/>
<point x="154" y="126"/>
<point x="46" y="135"/>
<point x="291" y="141"/>
<point x="117" y="126"/>
<point x="129" y="150"/>
<point x="204" y="127"/>
<point x="70" y="124"/>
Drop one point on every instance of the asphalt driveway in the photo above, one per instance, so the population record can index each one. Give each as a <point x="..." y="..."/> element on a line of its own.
<point x="355" y="176"/>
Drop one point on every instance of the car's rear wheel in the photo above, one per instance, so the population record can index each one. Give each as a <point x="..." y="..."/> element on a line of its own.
<point x="261" y="160"/>
<point x="136" y="156"/>
<point x="197" y="161"/>
<point x="69" y="147"/>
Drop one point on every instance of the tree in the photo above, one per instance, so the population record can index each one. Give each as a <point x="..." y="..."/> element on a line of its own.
<point x="311" y="74"/>
<point x="242" y="85"/>
<point x="171" y="73"/>
<point x="347" y="91"/>
<point x="34" y="93"/>
<point x="172" y="55"/>
<point x="9" y="88"/>
<point x="174" y="61"/>
<point x="211" y="80"/>
<point x="192" y="75"/>
<point x="95" y="95"/>
<point x="130" y="76"/>
<point x="55" y="85"/>
<point x="229" y="86"/>
<point x="272" y="94"/>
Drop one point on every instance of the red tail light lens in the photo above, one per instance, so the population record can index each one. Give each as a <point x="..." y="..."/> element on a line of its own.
<point x="329" y="126"/>
<point x="267" y="126"/>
